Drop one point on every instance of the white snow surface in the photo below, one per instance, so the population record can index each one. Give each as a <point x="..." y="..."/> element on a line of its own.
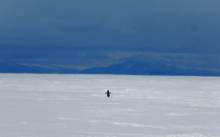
<point x="63" y="105"/>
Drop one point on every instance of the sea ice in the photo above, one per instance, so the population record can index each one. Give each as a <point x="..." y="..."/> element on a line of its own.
<point x="55" y="105"/>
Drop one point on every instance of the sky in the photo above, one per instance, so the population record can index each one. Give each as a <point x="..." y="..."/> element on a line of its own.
<point x="90" y="33"/>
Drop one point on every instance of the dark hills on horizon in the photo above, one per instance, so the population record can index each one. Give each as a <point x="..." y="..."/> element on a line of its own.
<point x="21" y="68"/>
<point x="127" y="68"/>
<point x="141" y="68"/>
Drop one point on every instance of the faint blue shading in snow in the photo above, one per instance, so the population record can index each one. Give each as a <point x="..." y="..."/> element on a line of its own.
<point x="76" y="105"/>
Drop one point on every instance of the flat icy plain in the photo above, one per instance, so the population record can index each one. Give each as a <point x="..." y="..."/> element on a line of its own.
<point x="55" y="105"/>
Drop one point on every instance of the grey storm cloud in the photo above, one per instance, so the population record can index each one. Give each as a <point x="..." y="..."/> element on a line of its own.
<point x="150" y="25"/>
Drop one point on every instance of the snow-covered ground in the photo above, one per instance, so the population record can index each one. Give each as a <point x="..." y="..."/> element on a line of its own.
<point x="40" y="105"/>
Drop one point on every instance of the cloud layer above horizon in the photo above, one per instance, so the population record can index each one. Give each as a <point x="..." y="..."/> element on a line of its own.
<point x="90" y="32"/>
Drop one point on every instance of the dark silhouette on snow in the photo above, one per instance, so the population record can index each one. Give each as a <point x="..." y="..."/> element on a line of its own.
<point x="108" y="93"/>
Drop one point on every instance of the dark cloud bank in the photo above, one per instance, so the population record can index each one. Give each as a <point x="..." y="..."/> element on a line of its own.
<point x="143" y="36"/>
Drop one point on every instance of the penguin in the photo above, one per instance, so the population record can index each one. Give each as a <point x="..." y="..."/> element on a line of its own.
<point x="108" y="93"/>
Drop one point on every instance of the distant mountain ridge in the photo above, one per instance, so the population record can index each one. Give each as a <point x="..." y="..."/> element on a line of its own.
<point x="20" y="68"/>
<point x="127" y="68"/>
<point x="141" y="68"/>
